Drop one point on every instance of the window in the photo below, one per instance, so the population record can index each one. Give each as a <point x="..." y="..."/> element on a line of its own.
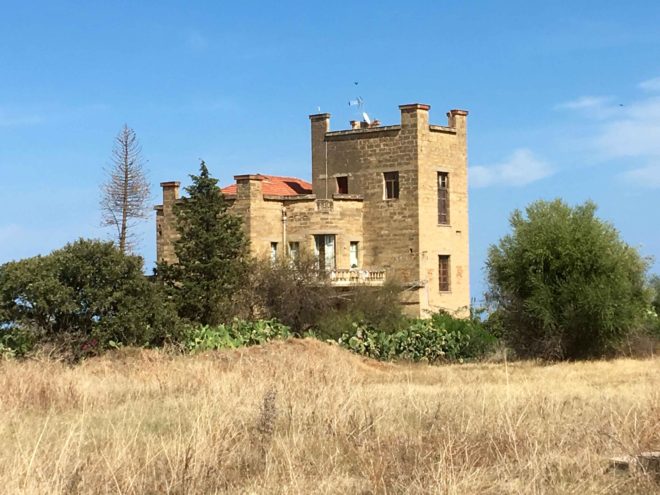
<point x="354" y="255"/>
<point x="294" y="250"/>
<point x="342" y="185"/>
<point x="443" y="273"/>
<point x="443" y="198"/>
<point x="324" y="249"/>
<point x="273" y="252"/>
<point x="391" y="185"/>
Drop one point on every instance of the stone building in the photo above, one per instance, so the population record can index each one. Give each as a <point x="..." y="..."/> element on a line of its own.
<point x="385" y="202"/>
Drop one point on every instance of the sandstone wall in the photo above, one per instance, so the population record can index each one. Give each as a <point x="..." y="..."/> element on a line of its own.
<point x="443" y="149"/>
<point x="341" y="217"/>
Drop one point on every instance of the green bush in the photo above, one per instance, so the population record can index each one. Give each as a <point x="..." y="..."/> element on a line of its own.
<point x="18" y="341"/>
<point x="238" y="333"/>
<point x="471" y="338"/>
<point x="441" y="337"/>
<point x="291" y="291"/>
<point x="654" y="284"/>
<point x="425" y="341"/>
<point x="375" y="307"/>
<point x="563" y="283"/>
<point x="87" y="294"/>
<point x="652" y="324"/>
<point x="207" y="338"/>
<point x="367" y="341"/>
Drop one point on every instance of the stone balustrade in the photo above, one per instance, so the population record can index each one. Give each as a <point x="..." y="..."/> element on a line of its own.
<point x="356" y="276"/>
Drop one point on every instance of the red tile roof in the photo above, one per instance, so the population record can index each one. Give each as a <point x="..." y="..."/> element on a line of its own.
<point x="278" y="186"/>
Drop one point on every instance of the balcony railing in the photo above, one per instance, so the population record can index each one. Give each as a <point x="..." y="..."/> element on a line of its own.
<point x="356" y="276"/>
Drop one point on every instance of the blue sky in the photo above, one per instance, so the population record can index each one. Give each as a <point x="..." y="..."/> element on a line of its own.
<point x="564" y="100"/>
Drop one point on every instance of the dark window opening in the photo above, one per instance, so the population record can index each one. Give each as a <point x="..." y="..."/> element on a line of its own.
<point x="443" y="273"/>
<point x="342" y="185"/>
<point x="273" y="252"/>
<point x="324" y="248"/>
<point x="294" y="250"/>
<point x="354" y="254"/>
<point x="443" y="198"/>
<point x="391" y="185"/>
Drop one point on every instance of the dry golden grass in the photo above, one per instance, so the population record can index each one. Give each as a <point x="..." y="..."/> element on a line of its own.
<point x="306" y="417"/>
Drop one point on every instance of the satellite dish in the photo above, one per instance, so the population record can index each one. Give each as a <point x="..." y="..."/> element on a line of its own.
<point x="359" y="103"/>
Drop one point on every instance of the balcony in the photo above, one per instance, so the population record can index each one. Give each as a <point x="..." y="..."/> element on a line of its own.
<point x="355" y="276"/>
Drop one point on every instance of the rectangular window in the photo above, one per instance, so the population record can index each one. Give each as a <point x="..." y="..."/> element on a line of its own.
<point x="294" y="250"/>
<point x="273" y="252"/>
<point x="324" y="248"/>
<point x="342" y="185"/>
<point x="354" y="255"/>
<point x="443" y="198"/>
<point x="443" y="273"/>
<point x="391" y="180"/>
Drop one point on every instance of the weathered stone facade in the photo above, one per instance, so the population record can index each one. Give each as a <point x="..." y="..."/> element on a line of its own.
<point x="375" y="192"/>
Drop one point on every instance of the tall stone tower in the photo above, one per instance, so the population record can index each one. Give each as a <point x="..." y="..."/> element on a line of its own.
<point x="412" y="179"/>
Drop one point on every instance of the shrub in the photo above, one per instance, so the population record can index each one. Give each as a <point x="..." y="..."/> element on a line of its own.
<point x="238" y="333"/>
<point x="425" y="341"/>
<point x="18" y="341"/>
<point x="471" y="338"/>
<point x="291" y="291"/>
<point x="87" y="293"/>
<point x="654" y="284"/>
<point x="564" y="284"/>
<point x="206" y="338"/>
<point x="440" y="337"/>
<point x="375" y="307"/>
<point x="653" y="314"/>
<point x="366" y="341"/>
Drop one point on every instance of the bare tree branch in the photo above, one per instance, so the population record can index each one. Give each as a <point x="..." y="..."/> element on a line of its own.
<point x="125" y="194"/>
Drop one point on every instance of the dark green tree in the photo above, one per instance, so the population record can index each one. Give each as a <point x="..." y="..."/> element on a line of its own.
<point x="211" y="253"/>
<point x="564" y="284"/>
<point x="654" y="282"/>
<point x="653" y="322"/>
<point x="86" y="291"/>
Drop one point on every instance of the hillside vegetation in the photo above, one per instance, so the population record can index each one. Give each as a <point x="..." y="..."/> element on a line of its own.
<point x="301" y="416"/>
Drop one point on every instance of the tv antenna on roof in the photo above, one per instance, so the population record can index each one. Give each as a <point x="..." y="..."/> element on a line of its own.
<point x="359" y="103"/>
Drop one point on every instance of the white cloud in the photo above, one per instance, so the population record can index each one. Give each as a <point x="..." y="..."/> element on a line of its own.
<point x="586" y="102"/>
<point x="520" y="169"/>
<point x="14" y="119"/>
<point x="46" y="114"/>
<point x="599" y="107"/>
<point x="645" y="176"/>
<point x="635" y="132"/>
<point x="625" y="133"/>
<point x="651" y="85"/>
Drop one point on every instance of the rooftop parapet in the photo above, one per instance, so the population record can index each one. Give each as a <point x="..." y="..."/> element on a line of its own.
<point x="412" y="115"/>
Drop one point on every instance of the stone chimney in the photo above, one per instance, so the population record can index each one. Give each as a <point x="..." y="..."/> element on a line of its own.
<point x="166" y="232"/>
<point x="415" y="115"/>
<point x="458" y="120"/>
<point x="170" y="193"/>
<point x="249" y="186"/>
<point x="320" y="126"/>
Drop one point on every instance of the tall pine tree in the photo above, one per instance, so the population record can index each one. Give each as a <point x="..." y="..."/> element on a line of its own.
<point x="211" y="253"/>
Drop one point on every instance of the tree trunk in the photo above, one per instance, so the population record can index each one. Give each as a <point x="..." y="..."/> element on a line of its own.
<point x="124" y="201"/>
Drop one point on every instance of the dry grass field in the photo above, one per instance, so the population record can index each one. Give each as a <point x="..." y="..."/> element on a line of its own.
<point x="306" y="417"/>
